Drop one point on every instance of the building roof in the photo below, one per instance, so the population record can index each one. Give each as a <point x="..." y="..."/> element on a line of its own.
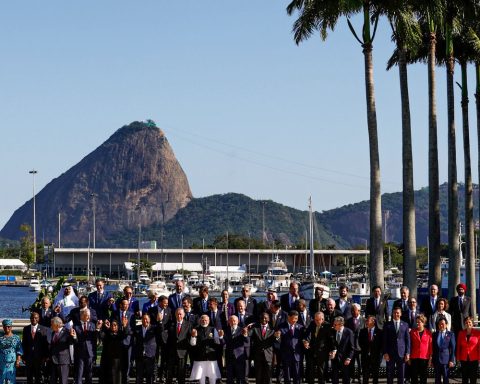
<point x="12" y="262"/>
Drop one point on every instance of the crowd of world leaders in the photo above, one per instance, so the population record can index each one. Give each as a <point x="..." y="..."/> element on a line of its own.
<point x="283" y="338"/>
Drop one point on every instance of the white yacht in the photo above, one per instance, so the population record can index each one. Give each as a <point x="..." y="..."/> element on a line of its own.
<point x="277" y="275"/>
<point x="34" y="285"/>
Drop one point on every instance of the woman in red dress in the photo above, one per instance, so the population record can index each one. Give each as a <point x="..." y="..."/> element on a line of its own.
<point x="468" y="351"/>
<point x="420" y="351"/>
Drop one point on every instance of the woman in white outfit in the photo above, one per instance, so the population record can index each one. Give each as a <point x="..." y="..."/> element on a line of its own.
<point x="440" y="313"/>
<point x="203" y="340"/>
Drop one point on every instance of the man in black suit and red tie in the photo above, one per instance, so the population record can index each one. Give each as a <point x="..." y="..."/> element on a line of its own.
<point x="178" y="344"/>
<point x="262" y="340"/>
<point x="35" y="348"/>
<point x="377" y="306"/>
<point x="370" y="340"/>
<point x="85" y="347"/>
<point x="59" y="341"/>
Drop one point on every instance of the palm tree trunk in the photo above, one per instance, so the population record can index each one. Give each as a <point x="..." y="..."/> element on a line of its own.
<point x="453" y="246"/>
<point x="469" y="226"/>
<point x="434" y="267"/>
<point x="409" y="238"/>
<point x="376" y="242"/>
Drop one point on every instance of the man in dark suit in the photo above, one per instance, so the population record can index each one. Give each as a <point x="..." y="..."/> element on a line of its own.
<point x="144" y="349"/>
<point x="133" y="303"/>
<point x="343" y="303"/>
<point x="161" y="315"/>
<point x="215" y="317"/>
<point x="396" y="346"/>
<point x="244" y="318"/>
<point x="35" y="348"/>
<point x="74" y="315"/>
<point x="227" y="308"/>
<point x="460" y="307"/>
<point x="190" y="315"/>
<point x="370" y="340"/>
<point x="264" y="306"/>
<point x="45" y="312"/>
<point x="289" y="300"/>
<point x="304" y="318"/>
<point x="377" y="306"/>
<point x="291" y="348"/>
<point x="403" y="301"/>
<point x="97" y="299"/>
<point x="277" y="315"/>
<point x="318" y="343"/>
<point x="200" y="303"/>
<point x="331" y="313"/>
<point x="429" y="304"/>
<point x="59" y="341"/>
<point x="175" y="299"/>
<point x="178" y="343"/>
<point x="237" y="349"/>
<point x="355" y="323"/>
<point x="262" y="340"/>
<point x="84" y="346"/>
<point x="126" y="319"/>
<point x="443" y="348"/>
<point x="319" y="303"/>
<point x="410" y="316"/>
<point x="250" y="302"/>
<point x="342" y="352"/>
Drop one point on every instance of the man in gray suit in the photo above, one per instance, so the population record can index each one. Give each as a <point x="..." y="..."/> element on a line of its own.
<point x="59" y="341"/>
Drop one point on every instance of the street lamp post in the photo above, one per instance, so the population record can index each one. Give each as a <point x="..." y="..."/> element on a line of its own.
<point x="93" y="195"/>
<point x="33" y="172"/>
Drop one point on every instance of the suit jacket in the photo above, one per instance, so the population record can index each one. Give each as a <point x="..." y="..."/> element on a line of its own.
<point x="250" y="305"/>
<point x="178" y="344"/>
<point x="399" y="304"/>
<point x="371" y="348"/>
<point x="198" y="307"/>
<point x="167" y="315"/>
<point x="355" y="327"/>
<point x="308" y="319"/>
<point x="344" y="348"/>
<point x="445" y="352"/>
<point x="215" y="319"/>
<point x="246" y="320"/>
<point x="74" y="316"/>
<point x="315" y="306"/>
<point x="128" y="329"/>
<point x="285" y="302"/>
<point x="262" y="346"/>
<point x="191" y="317"/>
<point x="45" y="318"/>
<point x="35" y="348"/>
<point x="347" y="309"/>
<point x="291" y="346"/>
<point x="420" y="347"/>
<point x="470" y="348"/>
<point x="205" y="348"/>
<point x="397" y="345"/>
<point x="60" y="346"/>
<point x="237" y="346"/>
<point x="426" y="307"/>
<point x="321" y="342"/>
<point x="227" y="310"/>
<point x="174" y="302"/>
<point x="460" y="312"/>
<point x="380" y="313"/>
<point x="280" y="318"/>
<point x="330" y="316"/>
<point x="145" y="346"/>
<point x="134" y="305"/>
<point x="407" y="318"/>
<point x="85" y="343"/>
<point x="97" y="301"/>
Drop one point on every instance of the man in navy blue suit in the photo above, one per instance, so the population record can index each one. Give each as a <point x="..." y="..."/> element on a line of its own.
<point x="237" y="349"/>
<point x="289" y="300"/>
<point x="133" y="303"/>
<point x="85" y="347"/>
<point x="443" y="357"/>
<point x="342" y="353"/>
<point x="97" y="299"/>
<point x="396" y="346"/>
<point x="145" y="349"/>
<point x="126" y="319"/>
<point x="343" y="303"/>
<point x="291" y="348"/>
<point x="59" y="341"/>
<point x="175" y="299"/>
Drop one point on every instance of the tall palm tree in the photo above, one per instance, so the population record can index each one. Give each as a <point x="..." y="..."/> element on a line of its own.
<point x="323" y="15"/>
<point x="431" y="14"/>
<point x="407" y="36"/>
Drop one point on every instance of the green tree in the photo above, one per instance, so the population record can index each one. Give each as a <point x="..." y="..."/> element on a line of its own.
<point x="323" y="16"/>
<point x="26" y="245"/>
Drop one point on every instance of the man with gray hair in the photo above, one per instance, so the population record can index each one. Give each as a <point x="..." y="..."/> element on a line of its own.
<point x="355" y="323"/>
<point x="59" y="341"/>
<point x="342" y="352"/>
<point x="85" y="346"/>
<point x="331" y="312"/>
<point x="403" y="301"/>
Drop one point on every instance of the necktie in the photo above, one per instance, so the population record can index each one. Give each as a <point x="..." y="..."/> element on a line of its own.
<point x="179" y="301"/>
<point x="339" y="337"/>
<point x="55" y="337"/>
<point x="370" y="335"/>
<point x="179" y="327"/>
<point x="433" y="304"/>
<point x="204" y="305"/>
<point x="413" y="317"/>
<point x="84" y="327"/>
<point x="460" y="301"/>
<point x="316" y="331"/>
<point x="303" y="317"/>
<point x="404" y="305"/>
<point x="376" y="304"/>
<point x="292" y="330"/>
<point x="396" y="326"/>
<point x="264" y="331"/>
<point x="241" y="319"/>
<point x="213" y="318"/>
<point x="274" y="318"/>
<point x="33" y="333"/>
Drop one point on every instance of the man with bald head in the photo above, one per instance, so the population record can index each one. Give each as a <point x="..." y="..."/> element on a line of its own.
<point x="331" y="312"/>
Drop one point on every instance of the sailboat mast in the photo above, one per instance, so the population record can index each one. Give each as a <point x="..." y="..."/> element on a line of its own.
<point x="310" y="221"/>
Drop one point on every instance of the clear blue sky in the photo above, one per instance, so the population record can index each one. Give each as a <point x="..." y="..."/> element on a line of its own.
<point x="244" y="108"/>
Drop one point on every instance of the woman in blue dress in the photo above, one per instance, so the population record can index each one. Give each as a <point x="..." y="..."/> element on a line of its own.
<point x="10" y="352"/>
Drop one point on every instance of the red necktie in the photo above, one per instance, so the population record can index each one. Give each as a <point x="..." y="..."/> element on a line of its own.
<point x="369" y="335"/>
<point x="33" y="333"/>
<point x="84" y="327"/>
<point x="179" y="327"/>
<point x="264" y="331"/>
